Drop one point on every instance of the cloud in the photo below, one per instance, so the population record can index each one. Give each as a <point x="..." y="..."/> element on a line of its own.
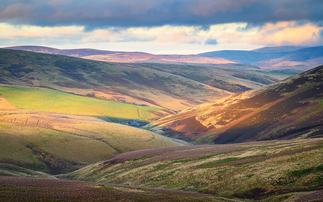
<point x="149" y="13"/>
<point x="11" y="35"/>
<point x="289" y="33"/>
<point x="230" y="35"/>
<point x="211" y="42"/>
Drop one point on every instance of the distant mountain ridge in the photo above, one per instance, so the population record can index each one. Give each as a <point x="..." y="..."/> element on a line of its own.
<point x="267" y="58"/>
<point x="283" y="110"/>
<point x="281" y="57"/>
<point x="248" y="57"/>
<point x="278" y="49"/>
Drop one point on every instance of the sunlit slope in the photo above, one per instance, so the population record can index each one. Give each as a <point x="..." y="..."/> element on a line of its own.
<point x="6" y="105"/>
<point x="269" y="170"/>
<point x="55" y="101"/>
<point x="288" y="109"/>
<point x="56" y="143"/>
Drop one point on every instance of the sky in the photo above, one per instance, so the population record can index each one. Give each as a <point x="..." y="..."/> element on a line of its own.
<point x="161" y="26"/>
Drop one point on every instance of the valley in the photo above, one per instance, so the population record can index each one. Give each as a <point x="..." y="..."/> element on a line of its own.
<point x="215" y="130"/>
<point x="161" y="101"/>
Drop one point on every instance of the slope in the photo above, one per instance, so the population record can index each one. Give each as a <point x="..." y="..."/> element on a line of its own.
<point x="283" y="110"/>
<point x="268" y="171"/>
<point x="173" y="87"/>
<point x="130" y="83"/>
<point x="125" y="57"/>
<point x="31" y="189"/>
<point x="57" y="143"/>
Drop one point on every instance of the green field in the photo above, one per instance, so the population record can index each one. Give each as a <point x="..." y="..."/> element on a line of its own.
<point x="56" y="101"/>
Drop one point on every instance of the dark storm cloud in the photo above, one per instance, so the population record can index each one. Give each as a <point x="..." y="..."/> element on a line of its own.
<point x="125" y="13"/>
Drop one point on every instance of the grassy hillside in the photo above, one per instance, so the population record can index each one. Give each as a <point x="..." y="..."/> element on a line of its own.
<point x="55" y="101"/>
<point x="271" y="170"/>
<point x="57" y="143"/>
<point x="174" y="87"/>
<point x="284" y="110"/>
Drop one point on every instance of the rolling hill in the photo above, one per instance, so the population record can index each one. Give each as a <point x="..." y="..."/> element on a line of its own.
<point x="52" y="106"/>
<point x="266" y="171"/>
<point x="172" y="87"/>
<point x="125" y="57"/>
<point x="293" y="59"/>
<point x="57" y="132"/>
<point x="283" y="110"/>
<point x="58" y="143"/>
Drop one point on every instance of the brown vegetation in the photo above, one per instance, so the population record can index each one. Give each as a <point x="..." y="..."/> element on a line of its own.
<point x="31" y="189"/>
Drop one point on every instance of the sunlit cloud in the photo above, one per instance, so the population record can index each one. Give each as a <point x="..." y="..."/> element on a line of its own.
<point x="12" y="31"/>
<point x="289" y="33"/>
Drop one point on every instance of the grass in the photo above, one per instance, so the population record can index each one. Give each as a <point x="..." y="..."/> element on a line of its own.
<point x="226" y="160"/>
<point x="14" y="148"/>
<point x="61" y="102"/>
<point x="305" y="171"/>
<point x="57" y="143"/>
<point x="280" y="167"/>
